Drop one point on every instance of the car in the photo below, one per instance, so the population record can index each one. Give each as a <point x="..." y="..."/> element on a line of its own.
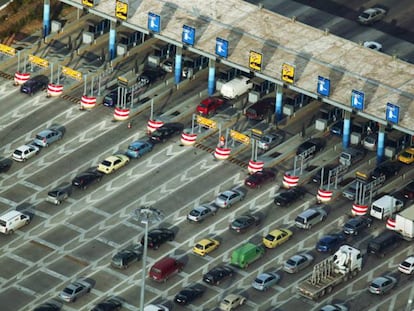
<point x="334" y="307"/>
<point x="205" y="246"/>
<point x="244" y="222"/>
<point x="216" y="275"/>
<point x="370" y="142"/>
<point x="125" y="257"/>
<point x="276" y="237"/>
<point x="337" y="128"/>
<point x="387" y="169"/>
<point x="407" y="156"/>
<point x="157" y="307"/>
<point x="227" y="198"/>
<point x="167" y="65"/>
<point x="198" y="214"/>
<point x="157" y="237"/>
<point x="85" y="179"/>
<point x="357" y="224"/>
<point x="297" y="263"/>
<point x="59" y="194"/>
<point x="371" y="15"/>
<point x="209" y="105"/>
<point x="382" y="285"/>
<point x="112" y="163"/>
<point x="407" y="265"/>
<point x="290" y="196"/>
<point x="75" y="290"/>
<point x="49" y="306"/>
<point x="265" y="280"/>
<point x="311" y="217"/>
<point x="373" y="45"/>
<point x="35" y="84"/>
<point x="310" y="147"/>
<point x="330" y="242"/>
<point x="270" y="140"/>
<point x="25" y="152"/>
<point x="109" y="304"/>
<point x="5" y="164"/>
<point x="257" y="179"/>
<point x="48" y="136"/>
<point x="231" y="302"/>
<point x="408" y="191"/>
<point x="188" y="295"/>
<point x="138" y="148"/>
<point x="165" y="132"/>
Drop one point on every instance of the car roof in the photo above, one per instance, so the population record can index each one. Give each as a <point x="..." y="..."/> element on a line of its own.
<point x="409" y="259"/>
<point x="138" y="143"/>
<point x="204" y="241"/>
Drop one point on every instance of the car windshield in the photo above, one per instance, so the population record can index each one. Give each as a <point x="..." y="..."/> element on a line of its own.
<point x="375" y="285"/>
<point x="405" y="264"/>
<point x="406" y="154"/>
<point x="68" y="291"/>
<point x="194" y="212"/>
<point x="106" y="163"/>
<point x="370" y="140"/>
<point x="223" y="197"/>
<point x="18" y="152"/>
<point x="132" y="148"/>
<point x="156" y="133"/>
<point x="259" y="281"/>
<point x="199" y="246"/>
<point x="269" y="237"/>
<point x="291" y="262"/>
<point x="365" y="15"/>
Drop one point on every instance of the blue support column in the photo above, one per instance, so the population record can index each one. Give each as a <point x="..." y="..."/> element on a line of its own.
<point x="278" y="106"/>
<point x="381" y="143"/>
<point x="46" y="18"/>
<point x="178" y="60"/>
<point x="112" y="40"/>
<point x="346" y="130"/>
<point x="211" y="77"/>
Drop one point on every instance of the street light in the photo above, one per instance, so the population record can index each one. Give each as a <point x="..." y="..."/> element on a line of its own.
<point x="146" y="215"/>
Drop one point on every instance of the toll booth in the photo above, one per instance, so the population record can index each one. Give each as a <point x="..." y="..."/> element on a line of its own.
<point x="128" y="40"/>
<point x="95" y="29"/>
<point x="225" y="74"/>
<point x="261" y="87"/>
<point x="293" y="101"/>
<point x="360" y="128"/>
<point x="193" y="63"/>
<point x="395" y="141"/>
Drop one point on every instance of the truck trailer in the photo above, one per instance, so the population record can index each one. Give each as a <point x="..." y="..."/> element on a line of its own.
<point x="404" y="223"/>
<point x="334" y="270"/>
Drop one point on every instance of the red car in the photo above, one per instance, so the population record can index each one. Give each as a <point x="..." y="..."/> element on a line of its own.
<point x="209" y="105"/>
<point x="259" y="178"/>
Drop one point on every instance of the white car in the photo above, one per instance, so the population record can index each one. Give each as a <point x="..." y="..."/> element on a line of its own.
<point x="22" y="153"/>
<point x="407" y="266"/>
<point x="167" y="65"/>
<point x="373" y="45"/>
<point x="201" y="212"/>
<point x="231" y="302"/>
<point x="371" y="15"/>
<point x="157" y="307"/>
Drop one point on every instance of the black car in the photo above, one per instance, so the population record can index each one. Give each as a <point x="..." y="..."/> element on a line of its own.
<point x="289" y="196"/>
<point x="188" y="294"/>
<point x="85" y="179"/>
<point x="35" y="84"/>
<point x="218" y="274"/>
<point x="5" y="164"/>
<point x="156" y="237"/>
<point x="357" y="224"/>
<point x="109" y="304"/>
<point x="311" y="147"/>
<point x="244" y="222"/>
<point x="49" y="306"/>
<point x="125" y="257"/>
<point x="166" y="131"/>
<point x="386" y="169"/>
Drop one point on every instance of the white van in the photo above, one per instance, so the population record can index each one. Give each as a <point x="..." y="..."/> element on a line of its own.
<point x="236" y="87"/>
<point x="13" y="220"/>
<point x="385" y="206"/>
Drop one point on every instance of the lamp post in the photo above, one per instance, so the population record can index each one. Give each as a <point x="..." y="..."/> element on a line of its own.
<point x="146" y="215"/>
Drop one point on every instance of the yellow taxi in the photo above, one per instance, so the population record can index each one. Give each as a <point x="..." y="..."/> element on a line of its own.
<point x="205" y="246"/>
<point x="276" y="237"/>
<point x="407" y="156"/>
<point x="112" y="163"/>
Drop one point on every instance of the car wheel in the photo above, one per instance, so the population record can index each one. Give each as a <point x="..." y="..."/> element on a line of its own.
<point x="10" y="231"/>
<point x="218" y="283"/>
<point x="89" y="289"/>
<point x="24" y="159"/>
<point x="323" y="218"/>
<point x="58" y="202"/>
<point x="242" y="302"/>
<point x="47" y="145"/>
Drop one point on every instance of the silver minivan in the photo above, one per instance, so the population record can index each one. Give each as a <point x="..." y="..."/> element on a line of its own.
<point x="310" y="217"/>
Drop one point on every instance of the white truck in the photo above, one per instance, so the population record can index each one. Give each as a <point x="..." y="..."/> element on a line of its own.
<point x="338" y="268"/>
<point x="404" y="223"/>
<point x="236" y="87"/>
<point x="385" y="207"/>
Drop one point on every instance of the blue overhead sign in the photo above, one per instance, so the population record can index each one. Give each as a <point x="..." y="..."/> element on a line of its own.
<point x="392" y="113"/>
<point x="222" y="47"/>
<point x="357" y="100"/>
<point x="154" y="22"/>
<point x="324" y="86"/>
<point x="188" y="35"/>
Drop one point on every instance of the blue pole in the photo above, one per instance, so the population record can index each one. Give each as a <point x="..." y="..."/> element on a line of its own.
<point x="346" y="130"/>
<point x="46" y="18"/>
<point x="381" y="143"/>
<point x="112" y="38"/>
<point x="278" y="106"/>
<point x="178" y="59"/>
<point x="211" y="77"/>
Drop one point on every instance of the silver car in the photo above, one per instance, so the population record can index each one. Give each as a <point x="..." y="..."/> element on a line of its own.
<point x="201" y="212"/>
<point x="75" y="290"/>
<point x="227" y="198"/>
<point x="297" y="263"/>
<point x="59" y="194"/>
<point x="50" y="135"/>
<point x="382" y="285"/>
<point x="265" y="280"/>
<point x="334" y="307"/>
<point x="371" y="15"/>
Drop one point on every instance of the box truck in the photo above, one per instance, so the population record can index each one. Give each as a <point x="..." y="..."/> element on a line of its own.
<point x="404" y="223"/>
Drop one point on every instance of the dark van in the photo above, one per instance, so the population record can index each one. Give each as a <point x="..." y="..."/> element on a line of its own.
<point x="262" y="109"/>
<point x="35" y="84"/>
<point x="383" y="243"/>
<point x="165" y="268"/>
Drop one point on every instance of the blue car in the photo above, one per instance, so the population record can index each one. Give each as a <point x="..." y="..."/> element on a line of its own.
<point x="138" y="148"/>
<point x="330" y="243"/>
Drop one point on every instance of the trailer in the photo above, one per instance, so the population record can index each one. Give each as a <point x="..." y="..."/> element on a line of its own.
<point x="404" y="223"/>
<point x="334" y="270"/>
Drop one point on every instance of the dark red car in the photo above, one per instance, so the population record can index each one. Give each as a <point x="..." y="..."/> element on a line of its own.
<point x="209" y="105"/>
<point x="259" y="178"/>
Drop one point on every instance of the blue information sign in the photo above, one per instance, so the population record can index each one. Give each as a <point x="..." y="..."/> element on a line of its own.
<point x="357" y="100"/>
<point x="324" y="86"/>
<point x="392" y="113"/>
<point x="154" y="22"/>
<point x="188" y="35"/>
<point x="222" y="47"/>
